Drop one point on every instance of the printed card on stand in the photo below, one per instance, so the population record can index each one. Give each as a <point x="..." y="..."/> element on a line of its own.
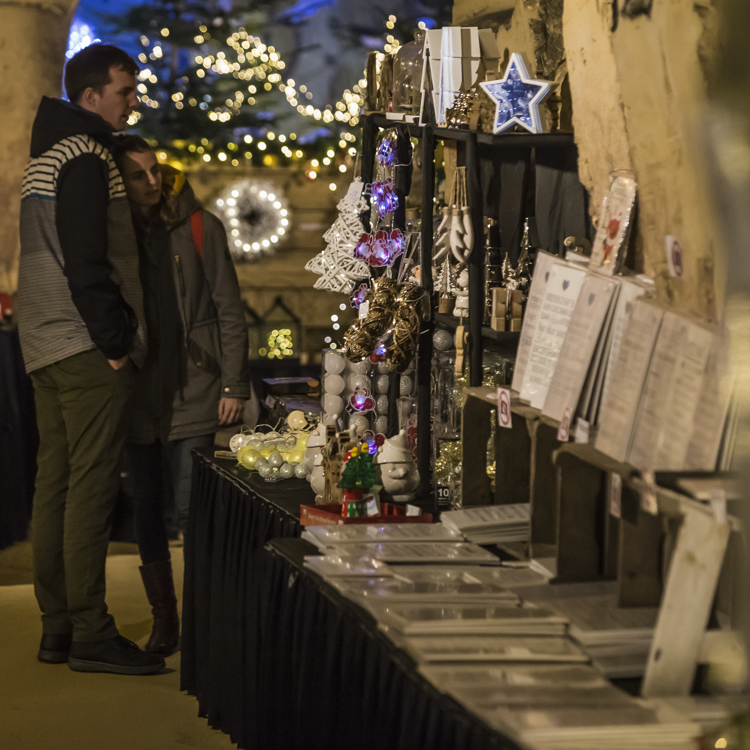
<point x="583" y="335"/>
<point x="628" y="373"/>
<point x="630" y="291"/>
<point x="712" y="411"/>
<point x="560" y="297"/>
<point x="542" y="268"/>
<point x="671" y="394"/>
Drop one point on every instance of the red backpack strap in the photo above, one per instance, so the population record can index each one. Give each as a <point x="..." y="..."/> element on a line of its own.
<point x="196" y="224"/>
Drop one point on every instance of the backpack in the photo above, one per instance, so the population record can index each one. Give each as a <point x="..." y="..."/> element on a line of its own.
<point x="196" y="224"/>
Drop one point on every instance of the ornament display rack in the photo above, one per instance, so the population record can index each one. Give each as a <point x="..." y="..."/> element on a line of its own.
<point x="479" y="336"/>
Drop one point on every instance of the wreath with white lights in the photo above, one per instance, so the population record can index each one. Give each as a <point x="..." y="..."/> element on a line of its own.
<point x="255" y="216"/>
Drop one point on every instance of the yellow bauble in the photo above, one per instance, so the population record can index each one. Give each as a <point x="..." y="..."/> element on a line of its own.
<point x="267" y="450"/>
<point x="297" y="455"/>
<point x="247" y="456"/>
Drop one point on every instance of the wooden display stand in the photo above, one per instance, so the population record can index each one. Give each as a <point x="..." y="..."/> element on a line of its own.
<point x="569" y="488"/>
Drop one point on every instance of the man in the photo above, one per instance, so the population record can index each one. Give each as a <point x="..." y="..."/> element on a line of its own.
<point x="195" y="377"/>
<point x="82" y="329"/>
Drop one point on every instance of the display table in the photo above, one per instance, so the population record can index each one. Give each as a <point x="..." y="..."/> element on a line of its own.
<point x="275" y="656"/>
<point x="233" y="514"/>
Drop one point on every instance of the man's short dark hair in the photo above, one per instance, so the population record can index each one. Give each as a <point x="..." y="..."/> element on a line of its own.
<point x="90" y="68"/>
<point x="129" y="142"/>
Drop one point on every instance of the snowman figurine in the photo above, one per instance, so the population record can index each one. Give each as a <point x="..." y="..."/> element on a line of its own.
<point x="314" y="448"/>
<point x="461" y="309"/>
<point x="398" y="472"/>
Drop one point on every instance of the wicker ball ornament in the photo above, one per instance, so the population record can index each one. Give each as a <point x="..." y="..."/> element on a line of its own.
<point x="393" y="318"/>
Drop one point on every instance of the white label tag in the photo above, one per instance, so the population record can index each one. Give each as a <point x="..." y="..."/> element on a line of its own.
<point x="582" y="431"/>
<point x="674" y="257"/>
<point x="504" y="416"/>
<point x="363" y="309"/>
<point x="413" y="510"/>
<point x="719" y="505"/>
<point x="615" y="495"/>
<point x="563" y="431"/>
<point x="373" y="507"/>
<point x="648" y="494"/>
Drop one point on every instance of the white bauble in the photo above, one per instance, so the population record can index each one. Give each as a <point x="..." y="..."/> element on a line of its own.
<point x="381" y="384"/>
<point x="360" y="423"/>
<point x="332" y="404"/>
<point x="334" y="384"/>
<point x="405" y="385"/>
<point x="334" y="363"/>
<point x="381" y="424"/>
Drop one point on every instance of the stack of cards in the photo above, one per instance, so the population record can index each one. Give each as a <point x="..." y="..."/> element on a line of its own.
<point x="428" y="584"/>
<point x="470" y="619"/>
<point x="491" y="524"/>
<point x="454" y="553"/>
<point x="327" y="536"/>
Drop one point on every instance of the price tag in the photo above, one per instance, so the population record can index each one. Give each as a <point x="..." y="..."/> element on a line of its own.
<point x="563" y="431"/>
<point x="648" y="494"/>
<point x="504" y="415"/>
<point x="413" y="510"/>
<point x="364" y="309"/>
<point x="718" y="499"/>
<point x="582" y="431"/>
<point x="373" y="507"/>
<point x="443" y="497"/>
<point x="615" y="495"/>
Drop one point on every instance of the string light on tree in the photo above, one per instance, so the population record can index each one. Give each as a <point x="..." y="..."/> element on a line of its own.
<point x="81" y="35"/>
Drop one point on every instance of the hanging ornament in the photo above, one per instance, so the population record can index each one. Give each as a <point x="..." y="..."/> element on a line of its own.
<point x="386" y="153"/>
<point x="383" y="196"/>
<point x="338" y="266"/>
<point x="359" y="295"/>
<point x="361" y="401"/>
<point x="517" y="97"/>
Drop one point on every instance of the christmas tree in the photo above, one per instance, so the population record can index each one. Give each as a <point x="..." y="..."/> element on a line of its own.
<point x="211" y="89"/>
<point x="359" y="473"/>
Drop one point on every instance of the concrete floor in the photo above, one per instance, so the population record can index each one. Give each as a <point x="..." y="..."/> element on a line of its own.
<point x="47" y="706"/>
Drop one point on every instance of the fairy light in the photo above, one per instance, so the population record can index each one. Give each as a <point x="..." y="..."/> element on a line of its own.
<point x="280" y="344"/>
<point x="254" y="66"/>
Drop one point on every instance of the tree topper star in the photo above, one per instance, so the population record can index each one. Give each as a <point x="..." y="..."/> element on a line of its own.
<point x="517" y="97"/>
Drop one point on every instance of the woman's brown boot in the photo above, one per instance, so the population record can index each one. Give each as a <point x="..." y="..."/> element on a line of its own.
<point x="159" y="585"/>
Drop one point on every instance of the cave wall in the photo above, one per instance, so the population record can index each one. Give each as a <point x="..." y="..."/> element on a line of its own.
<point x="33" y="40"/>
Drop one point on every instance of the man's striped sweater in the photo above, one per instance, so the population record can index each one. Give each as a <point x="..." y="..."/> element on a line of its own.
<point x="78" y="282"/>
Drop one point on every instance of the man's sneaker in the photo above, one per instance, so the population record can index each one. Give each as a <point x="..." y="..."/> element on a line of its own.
<point x="54" y="648"/>
<point x="117" y="655"/>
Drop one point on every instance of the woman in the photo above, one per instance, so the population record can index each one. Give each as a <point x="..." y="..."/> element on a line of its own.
<point x="195" y="377"/>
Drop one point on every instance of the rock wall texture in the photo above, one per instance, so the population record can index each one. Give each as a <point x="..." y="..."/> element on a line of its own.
<point x="636" y="71"/>
<point x="33" y="40"/>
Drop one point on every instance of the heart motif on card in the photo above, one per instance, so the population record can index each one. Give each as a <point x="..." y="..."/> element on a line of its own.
<point x="546" y="276"/>
<point x="628" y="308"/>
<point x="566" y="284"/>
<point x="592" y="297"/>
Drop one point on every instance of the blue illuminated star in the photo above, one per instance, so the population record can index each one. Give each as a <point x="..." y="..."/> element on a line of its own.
<point x="517" y="97"/>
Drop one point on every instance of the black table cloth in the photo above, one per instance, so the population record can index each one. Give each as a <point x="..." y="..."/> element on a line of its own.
<point x="230" y="521"/>
<point x="277" y="658"/>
